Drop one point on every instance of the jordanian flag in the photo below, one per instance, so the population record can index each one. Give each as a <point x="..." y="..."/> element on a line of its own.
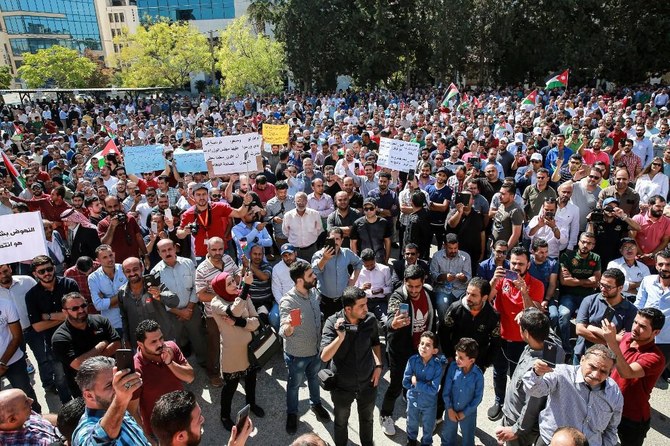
<point x="110" y="132"/>
<point x="529" y="101"/>
<point x="559" y="80"/>
<point x="11" y="170"/>
<point x="451" y="92"/>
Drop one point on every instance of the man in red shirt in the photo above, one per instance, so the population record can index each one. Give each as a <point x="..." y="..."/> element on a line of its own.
<point x="51" y="207"/>
<point x="164" y="367"/>
<point x="121" y="231"/>
<point x="210" y="220"/>
<point x="512" y="291"/>
<point x="638" y="366"/>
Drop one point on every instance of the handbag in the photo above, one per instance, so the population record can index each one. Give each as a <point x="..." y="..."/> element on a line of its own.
<point x="327" y="380"/>
<point x="265" y="342"/>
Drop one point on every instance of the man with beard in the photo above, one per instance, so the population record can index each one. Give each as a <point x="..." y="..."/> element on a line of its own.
<point x="164" y="363"/>
<point x="51" y="207"/>
<point x="654" y="232"/>
<point x="386" y="200"/>
<point x="281" y="279"/>
<point x="104" y="284"/>
<point x="215" y="262"/>
<point x="344" y="216"/>
<point x="121" y="231"/>
<point x="439" y="196"/>
<point x="355" y="198"/>
<point x="628" y="199"/>
<point x="567" y="214"/>
<point x="94" y="210"/>
<point x="508" y="218"/>
<point x="639" y="364"/>
<point x="468" y="225"/>
<point x="177" y="419"/>
<point x="82" y="336"/>
<point x="491" y="183"/>
<point x="302" y="227"/>
<point x="107" y="393"/>
<point x="628" y="159"/>
<point x="300" y="327"/>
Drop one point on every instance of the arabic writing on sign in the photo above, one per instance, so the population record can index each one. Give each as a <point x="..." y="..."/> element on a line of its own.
<point x="190" y="161"/>
<point x="398" y="155"/>
<point x="22" y="237"/>
<point x="140" y="159"/>
<point x="233" y="154"/>
<point x="275" y="134"/>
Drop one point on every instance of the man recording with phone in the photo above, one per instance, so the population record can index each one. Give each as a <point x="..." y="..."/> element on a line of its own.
<point x="350" y="339"/>
<point x="121" y="232"/>
<point x="300" y="317"/>
<point x="610" y="224"/>
<point x="545" y="226"/>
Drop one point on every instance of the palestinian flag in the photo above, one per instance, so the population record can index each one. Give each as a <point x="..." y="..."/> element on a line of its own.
<point x="110" y="132"/>
<point x="11" y="170"/>
<point x="559" y="80"/>
<point x="476" y="103"/>
<point x="110" y="147"/>
<point x="451" y="92"/>
<point x="465" y="101"/>
<point x="529" y="101"/>
<point x="18" y="133"/>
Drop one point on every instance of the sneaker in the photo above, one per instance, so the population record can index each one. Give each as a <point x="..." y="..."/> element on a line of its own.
<point x="216" y="381"/>
<point x="30" y="368"/>
<point x="412" y="442"/>
<point x="291" y="423"/>
<point x="495" y="412"/>
<point x="321" y="414"/>
<point x="227" y="423"/>
<point x="388" y="426"/>
<point x="257" y="410"/>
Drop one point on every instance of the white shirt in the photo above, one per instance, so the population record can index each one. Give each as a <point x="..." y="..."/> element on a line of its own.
<point x="545" y="232"/>
<point x="568" y="217"/>
<point x="378" y="277"/>
<point x="8" y="315"/>
<point x="17" y="294"/>
<point x="647" y="187"/>
<point x="634" y="273"/>
<point x="302" y="231"/>
<point x="281" y="279"/>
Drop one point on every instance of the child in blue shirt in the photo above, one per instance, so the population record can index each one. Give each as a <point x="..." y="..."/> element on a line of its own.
<point x="422" y="379"/>
<point x="463" y="391"/>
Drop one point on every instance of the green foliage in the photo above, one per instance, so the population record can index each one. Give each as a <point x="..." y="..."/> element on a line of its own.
<point x="56" y="66"/>
<point x="249" y="62"/>
<point x="162" y="53"/>
<point x="5" y="77"/>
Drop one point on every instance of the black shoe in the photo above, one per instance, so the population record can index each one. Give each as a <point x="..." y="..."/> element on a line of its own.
<point x="412" y="443"/>
<point x="495" y="412"/>
<point x="291" y="423"/>
<point x="321" y="414"/>
<point x="227" y="423"/>
<point x="257" y="410"/>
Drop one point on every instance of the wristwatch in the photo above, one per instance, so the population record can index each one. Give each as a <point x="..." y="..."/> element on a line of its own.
<point x="48" y="316"/>
<point x="378" y="366"/>
<point x="3" y="364"/>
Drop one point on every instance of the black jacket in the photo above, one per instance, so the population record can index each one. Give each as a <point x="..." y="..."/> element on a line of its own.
<point x="85" y="242"/>
<point x="398" y="271"/>
<point x="399" y="342"/>
<point x="484" y="328"/>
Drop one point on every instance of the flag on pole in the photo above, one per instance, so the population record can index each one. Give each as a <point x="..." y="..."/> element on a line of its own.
<point x="559" y="80"/>
<point x="12" y="171"/>
<point x="465" y="101"/>
<point x="529" y="101"/>
<point x="451" y="92"/>
<point x="18" y="133"/>
<point x="110" y="131"/>
<point x="476" y="103"/>
<point x="110" y="147"/>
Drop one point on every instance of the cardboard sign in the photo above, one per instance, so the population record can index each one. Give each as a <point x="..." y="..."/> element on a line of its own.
<point x="398" y="155"/>
<point x="233" y="154"/>
<point x="141" y="159"/>
<point x="21" y="237"/>
<point x="275" y="134"/>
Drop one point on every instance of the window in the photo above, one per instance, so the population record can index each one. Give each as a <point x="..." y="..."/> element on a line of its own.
<point x="111" y="17"/>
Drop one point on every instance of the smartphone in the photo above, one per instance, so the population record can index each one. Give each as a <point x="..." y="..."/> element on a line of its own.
<point x="154" y="227"/>
<point x="476" y="164"/>
<point x="124" y="359"/>
<point x="609" y="314"/>
<point x="511" y="275"/>
<point x="329" y="243"/>
<point x="411" y="175"/>
<point x="242" y="416"/>
<point x="168" y="213"/>
<point x="549" y="353"/>
<point x="404" y="309"/>
<point x="296" y="317"/>
<point x="151" y="280"/>
<point x="462" y="198"/>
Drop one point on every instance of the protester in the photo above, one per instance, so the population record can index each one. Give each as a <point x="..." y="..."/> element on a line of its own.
<point x="19" y="425"/>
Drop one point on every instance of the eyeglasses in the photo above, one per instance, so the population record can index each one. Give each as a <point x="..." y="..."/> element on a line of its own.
<point x="594" y="177"/>
<point x="77" y="308"/>
<point x="48" y="269"/>
<point x="656" y="164"/>
<point x="151" y="195"/>
<point x="368" y="209"/>
<point x="216" y="195"/>
<point x="606" y="287"/>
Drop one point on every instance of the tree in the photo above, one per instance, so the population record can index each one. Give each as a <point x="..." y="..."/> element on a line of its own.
<point x="249" y="62"/>
<point x="5" y="77"/>
<point x="57" y="67"/>
<point x="162" y="53"/>
<point x="102" y="76"/>
<point x="261" y="12"/>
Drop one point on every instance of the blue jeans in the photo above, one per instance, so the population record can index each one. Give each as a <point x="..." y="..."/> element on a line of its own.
<point x="297" y="369"/>
<point x="444" y="298"/>
<point x="273" y="316"/>
<point x="568" y="305"/>
<point x="17" y="375"/>
<point x="450" y="431"/>
<point x="418" y="412"/>
<point x="37" y="345"/>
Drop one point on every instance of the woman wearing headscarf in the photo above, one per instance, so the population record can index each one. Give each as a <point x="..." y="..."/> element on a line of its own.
<point x="236" y="317"/>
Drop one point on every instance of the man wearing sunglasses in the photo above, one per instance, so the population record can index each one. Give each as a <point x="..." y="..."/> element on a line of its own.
<point x="43" y="302"/>
<point x="81" y="337"/>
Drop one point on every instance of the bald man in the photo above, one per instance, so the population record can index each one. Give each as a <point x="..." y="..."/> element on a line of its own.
<point x="21" y="425"/>
<point x="568" y="436"/>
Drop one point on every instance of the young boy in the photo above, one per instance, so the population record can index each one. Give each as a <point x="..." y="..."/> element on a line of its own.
<point x="422" y="379"/>
<point x="463" y="391"/>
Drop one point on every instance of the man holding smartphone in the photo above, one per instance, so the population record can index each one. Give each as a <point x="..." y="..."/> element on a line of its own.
<point x="300" y="318"/>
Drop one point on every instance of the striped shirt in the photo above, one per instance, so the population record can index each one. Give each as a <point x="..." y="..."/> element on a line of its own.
<point x="90" y="431"/>
<point x="206" y="272"/>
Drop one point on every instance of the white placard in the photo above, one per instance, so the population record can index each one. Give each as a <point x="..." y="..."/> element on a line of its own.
<point x="21" y="237"/>
<point x="397" y="154"/>
<point x="232" y="154"/>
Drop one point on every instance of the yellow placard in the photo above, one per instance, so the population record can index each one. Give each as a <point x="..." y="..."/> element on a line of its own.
<point x="275" y="134"/>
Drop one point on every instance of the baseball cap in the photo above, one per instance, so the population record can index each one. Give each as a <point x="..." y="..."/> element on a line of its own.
<point x="609" y="200"/>
<point x="442" y="170"/>
<point x="287" y="247"/>
<point x="199" y="186"/>
<point x="536" y="157"/>
<point x="518" y="137"/>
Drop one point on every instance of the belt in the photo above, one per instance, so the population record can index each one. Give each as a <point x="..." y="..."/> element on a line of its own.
<point x="307" y="247"/>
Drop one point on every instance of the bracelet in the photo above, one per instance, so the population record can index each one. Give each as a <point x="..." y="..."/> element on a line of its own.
<point x="169" y="363"/>
<point x="378" y="366"/>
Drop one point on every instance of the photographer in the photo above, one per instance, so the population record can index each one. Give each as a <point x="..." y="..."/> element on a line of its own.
<point x="610" y="224"/>
<point x="121" y="232"/>
<point x="547" y="227"/>
<point x="351" y="340"/>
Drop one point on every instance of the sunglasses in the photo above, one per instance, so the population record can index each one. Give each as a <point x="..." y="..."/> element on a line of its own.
<point x="656" y="164"/>
<point x="77" y="308"/>
<point x="151" y="195"/>
<point x="216" y="195"/>
<point x="48" y="269"/>
<point x="368" y="209"/>
<point x="594" y="177"/>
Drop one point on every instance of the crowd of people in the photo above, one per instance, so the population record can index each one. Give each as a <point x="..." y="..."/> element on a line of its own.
<point x="530" y="239"/>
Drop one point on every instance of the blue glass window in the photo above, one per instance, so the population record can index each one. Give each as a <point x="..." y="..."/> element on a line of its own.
<point x="187" y="9"/>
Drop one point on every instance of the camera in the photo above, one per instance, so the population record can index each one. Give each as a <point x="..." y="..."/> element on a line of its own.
<point x="348" y="327"/>
<point x="597" y="216"/>
<point x="121" y="217"/>
<point x="194" y="228"/>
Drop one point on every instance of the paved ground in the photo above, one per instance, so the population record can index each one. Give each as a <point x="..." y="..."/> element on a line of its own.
<point x="271" y="396"/>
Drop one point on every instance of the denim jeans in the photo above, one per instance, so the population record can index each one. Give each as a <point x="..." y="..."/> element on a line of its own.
<point x="297" y="369"/>
<point x="421" y="413"/>
<point x="450" y="431"/>
<point x="17" y="375"/>
<point x="568" y="305"/>
<point x="273" y="316"/>
<point x="37" y="345"/>
<point x="365" y="400"/>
